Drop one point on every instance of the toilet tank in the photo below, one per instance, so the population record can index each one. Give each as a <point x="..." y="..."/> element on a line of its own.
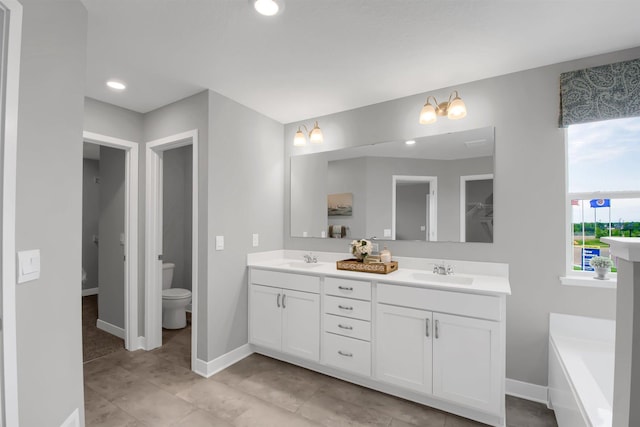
<point x="167" y="274"/>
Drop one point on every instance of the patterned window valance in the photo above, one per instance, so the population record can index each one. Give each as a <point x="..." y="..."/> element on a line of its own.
<point x="600" y="93"/>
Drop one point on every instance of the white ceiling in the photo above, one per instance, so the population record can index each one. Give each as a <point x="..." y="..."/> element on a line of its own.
<point x="324" y="56"/>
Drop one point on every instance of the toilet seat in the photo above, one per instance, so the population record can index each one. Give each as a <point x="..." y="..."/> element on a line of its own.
<point x="176" y="293"/>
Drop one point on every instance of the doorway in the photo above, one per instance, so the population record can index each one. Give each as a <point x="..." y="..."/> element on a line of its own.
<point x="476" y="208"/>
<point x="159" y="253"/>
<point x="414" y="208"/>
<point x="117" y="238"/>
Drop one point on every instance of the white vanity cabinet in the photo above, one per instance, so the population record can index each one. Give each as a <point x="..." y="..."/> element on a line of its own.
<point x="284" y="313"/>
<point x="454" y="357"/>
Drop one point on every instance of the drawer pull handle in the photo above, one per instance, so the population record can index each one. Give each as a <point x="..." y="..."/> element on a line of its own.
<point x="278" y="301"/>
<point x="437" y="329"/>
<point x="345" y="327"/>
<point x="344" y="307"/>
<point x="345" y="288"/>
<point x="427" y="328"/>
<point x="342" y="353"/>
<point x="283" y="297"/>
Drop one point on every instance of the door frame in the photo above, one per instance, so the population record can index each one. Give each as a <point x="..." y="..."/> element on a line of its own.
<point x="153" y="239"/>
<point x="11" y="69"/>
<point x="463" y="197"/>
<point x="131" y="339"/>
<point x="432" y="200"/>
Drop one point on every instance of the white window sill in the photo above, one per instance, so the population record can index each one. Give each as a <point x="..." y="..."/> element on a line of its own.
<point x="589" y="281"/>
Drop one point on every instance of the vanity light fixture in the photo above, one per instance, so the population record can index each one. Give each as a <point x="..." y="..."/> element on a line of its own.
<point x="267" y="7"/>
<point x="315" y="136"/>
<point x="116" y="84"/>
<point x="454" y="109"/>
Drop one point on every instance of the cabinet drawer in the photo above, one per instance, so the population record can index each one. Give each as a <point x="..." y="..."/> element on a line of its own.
<point x="347" y="307"/>
<point x="348" y="354"/>
<point x="357" y="289"/>
<point x="464" y="304"/>
<point x="360" y="329"/>
<point x="296" y="282"/>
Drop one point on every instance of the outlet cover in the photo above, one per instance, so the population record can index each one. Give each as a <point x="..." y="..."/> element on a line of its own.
<point x="219" y="243"/>
<point x="256" y="240"/>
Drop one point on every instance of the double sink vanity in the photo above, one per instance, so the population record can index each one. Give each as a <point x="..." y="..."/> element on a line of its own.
<point x="435" y="339"/>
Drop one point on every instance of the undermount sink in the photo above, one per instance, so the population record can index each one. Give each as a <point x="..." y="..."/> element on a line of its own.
<point x="439" y="278"/>
<point x="300" y="264"/>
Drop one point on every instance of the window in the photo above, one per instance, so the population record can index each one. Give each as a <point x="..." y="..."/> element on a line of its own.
<point x="603" y="187"/>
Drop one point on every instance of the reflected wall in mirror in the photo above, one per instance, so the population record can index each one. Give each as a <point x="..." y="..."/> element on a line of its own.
<point x="438" y="189"/>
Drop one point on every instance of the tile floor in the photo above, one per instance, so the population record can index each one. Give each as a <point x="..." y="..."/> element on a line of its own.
<point x="156" y="388"/>
<point x="95" y="342"/>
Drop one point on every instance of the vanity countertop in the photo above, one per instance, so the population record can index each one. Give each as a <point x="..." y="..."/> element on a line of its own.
<point x="416" y="277"/>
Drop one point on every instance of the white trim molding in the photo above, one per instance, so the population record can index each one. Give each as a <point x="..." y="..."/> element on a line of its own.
<point x="90" y="291"/>
<point x="12" y="39"/>
<point x="130" y="231"/>
<point x="153" y="239"/>
<point x="110" y="328"/>
<point x="528" y="391"/>
<point x="207" y="369"/>
<point x="73" y="420"/>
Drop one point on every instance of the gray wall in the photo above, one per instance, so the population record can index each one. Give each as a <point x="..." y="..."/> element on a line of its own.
<point x="184" y="115"/>
<point x="90" y="209"/>
<point x="110" y="229"/>
<point x="177" y="210"/>
<point x="530" y="165"/>
<point x="49" y="210"/>
<point x="411" y="211"/>
<point x="246" y="189"/>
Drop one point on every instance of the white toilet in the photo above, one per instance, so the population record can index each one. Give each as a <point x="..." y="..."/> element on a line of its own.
<point x="174" y="300"/>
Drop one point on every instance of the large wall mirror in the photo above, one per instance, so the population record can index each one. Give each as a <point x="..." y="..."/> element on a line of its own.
<point x="438" y="189"/>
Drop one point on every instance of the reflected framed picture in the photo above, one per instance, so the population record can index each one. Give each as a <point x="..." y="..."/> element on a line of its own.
<point x="340" y="204"/>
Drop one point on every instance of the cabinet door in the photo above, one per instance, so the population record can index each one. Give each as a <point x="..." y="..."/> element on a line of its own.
<point x="404" y="347"/>
<point x="466" y="361"/>
<point x="301" y="324"/>
<point x="265" y="327"/>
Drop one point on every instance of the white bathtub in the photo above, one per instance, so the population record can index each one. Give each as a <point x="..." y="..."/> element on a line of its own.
<point x="581" y="364"/>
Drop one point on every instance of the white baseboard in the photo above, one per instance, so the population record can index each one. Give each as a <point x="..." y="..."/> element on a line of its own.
<point x="112" y="329"/>
<point x="73" y="420"/>
<point x="90" y="291"/>
<point x="207" y="369"/>
<point x="533" y="392"/>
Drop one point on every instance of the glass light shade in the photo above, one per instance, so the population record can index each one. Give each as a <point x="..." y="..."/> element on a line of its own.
<point x="316" y="135"/>
<point x="428" y="114"/>
<point x="299" y="140"/>
<point x="266" y="7"/>
<point x="117" y="85"/>
<point x="457" y="109"/>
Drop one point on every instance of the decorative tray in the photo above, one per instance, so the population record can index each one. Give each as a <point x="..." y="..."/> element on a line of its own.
<point x="378" y="268"/>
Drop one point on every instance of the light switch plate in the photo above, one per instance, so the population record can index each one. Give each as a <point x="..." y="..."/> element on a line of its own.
<point x="256" y="240"/>
<point x="28" y="265"/>
<point x="219" y="243"/>
<point x="387" y="232"/>
<point x="423" y="228"/>
<point x="323" y="234"/>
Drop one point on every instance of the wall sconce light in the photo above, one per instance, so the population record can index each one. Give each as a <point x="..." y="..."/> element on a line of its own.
<point x="454" y="109"/>
<point x="315" y="136"/>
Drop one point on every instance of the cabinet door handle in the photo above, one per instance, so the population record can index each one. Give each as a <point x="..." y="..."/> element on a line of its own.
<point x="345" y="288"/>
<point x="437" y="329"/>
<point x="342" y="353"/>
<point x="347" y="327"/>
<point x="427" y="328"/>
<point x="283" y="297"/>
<point x="344" y="307"/>
<point x="278" y="301"/>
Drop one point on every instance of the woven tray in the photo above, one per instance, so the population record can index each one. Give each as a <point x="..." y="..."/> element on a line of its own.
<point x="355" y="265"/>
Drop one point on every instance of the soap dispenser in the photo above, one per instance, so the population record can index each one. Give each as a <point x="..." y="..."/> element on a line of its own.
<point x="385" y="255"/>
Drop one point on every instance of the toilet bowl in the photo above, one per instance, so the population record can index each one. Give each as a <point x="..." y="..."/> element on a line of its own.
<point x="174" y="300"/>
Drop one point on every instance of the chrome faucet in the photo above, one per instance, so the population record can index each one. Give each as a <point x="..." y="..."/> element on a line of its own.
<point x="443" y="269"/>
<point x="310" y="258"/>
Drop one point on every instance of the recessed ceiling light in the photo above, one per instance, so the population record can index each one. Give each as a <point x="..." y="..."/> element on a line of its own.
<point x="115" y="84"/>
<point x="410" y="142"/>
<point x="267" y="7"/>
